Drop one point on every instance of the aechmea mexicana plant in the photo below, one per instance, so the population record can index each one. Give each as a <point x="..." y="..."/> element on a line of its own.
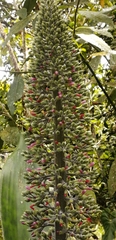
<point x="59" y="137"/>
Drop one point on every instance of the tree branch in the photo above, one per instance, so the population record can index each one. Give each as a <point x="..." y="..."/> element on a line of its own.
<point x="12" y="55"/>
<point x="24" y="49"/>
<point x="18" y="72"/>
<point x="99" y="83"/>
<point x="77" y="6"/>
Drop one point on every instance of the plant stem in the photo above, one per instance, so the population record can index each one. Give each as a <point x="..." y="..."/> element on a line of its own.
<point x="60" y="175"/>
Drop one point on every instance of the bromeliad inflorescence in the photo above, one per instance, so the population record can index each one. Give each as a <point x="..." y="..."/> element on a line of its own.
<point x="59" y="175"/>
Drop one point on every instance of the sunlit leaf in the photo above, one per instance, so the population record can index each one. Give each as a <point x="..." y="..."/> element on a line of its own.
<point x="96" y="41"/>
<point x="10" y="135"/>
<point x="12" y="202"/>
<point x="72" y="4"/>
<point x="85" y="30"/>
<point x="17" y="27"/>
<point x="90" y="30"/>
<point x="15" y="92"/>
<point x="22" y="13"/>
<point x="97" y="17"/>
<point x="103" y="32"/>
<point x="108" y="10"/>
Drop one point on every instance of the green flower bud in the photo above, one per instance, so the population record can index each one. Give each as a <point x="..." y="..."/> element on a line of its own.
<point x="59" y="136"/>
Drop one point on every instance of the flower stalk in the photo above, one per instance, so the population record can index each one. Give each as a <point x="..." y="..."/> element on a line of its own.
<point x="59" y="175"/>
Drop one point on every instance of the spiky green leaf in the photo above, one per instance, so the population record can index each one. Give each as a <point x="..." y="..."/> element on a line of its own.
<point x="15" y="93"/>
<point x="12" y="202"/>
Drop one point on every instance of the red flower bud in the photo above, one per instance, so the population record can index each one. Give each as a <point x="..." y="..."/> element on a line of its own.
<point x="61" y="224"/>
<point x="59" y="94"/>
<point x="87" y="181"/>
<point x="43" y="161"/>
<point x="32" y="206"/>
<point x="78" y="95"/>
<point x="81" y="116"/>
<point x="57" y="204"/>
<point x="56" y="73"/>
<point x="91" y="164"/>
<point x="68" y="156"/>
<point x="83" y="191"/>
<point x="80" y="223"/>
<point x="89" y="220"/>
<point x="33" y="113"/>
<point x="31" y="145"/>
